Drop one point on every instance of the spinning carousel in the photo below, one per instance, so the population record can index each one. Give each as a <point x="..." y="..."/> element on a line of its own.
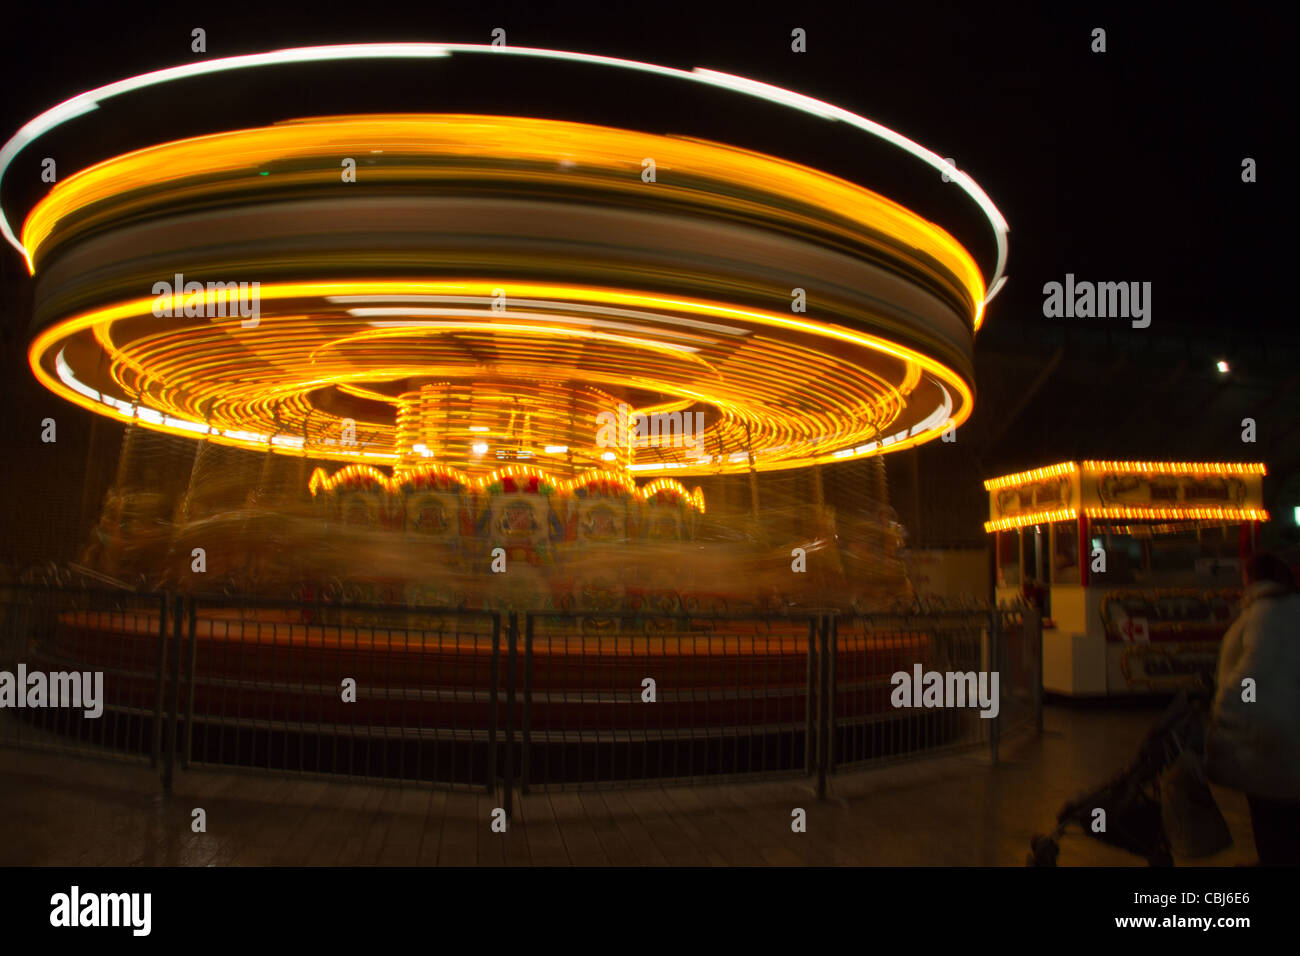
<point x="376" y="354"/>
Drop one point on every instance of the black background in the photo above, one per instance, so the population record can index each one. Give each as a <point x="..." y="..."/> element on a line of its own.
<point x="1123" y="166"/>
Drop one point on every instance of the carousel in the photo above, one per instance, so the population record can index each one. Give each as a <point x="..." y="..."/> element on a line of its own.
<point x="504" y="342"/>
<point x="480" y="361"/>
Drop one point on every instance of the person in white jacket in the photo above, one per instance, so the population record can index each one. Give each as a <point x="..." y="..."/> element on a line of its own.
<point x="1253" y="742"/>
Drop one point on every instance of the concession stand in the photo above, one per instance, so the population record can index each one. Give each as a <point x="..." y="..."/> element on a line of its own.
<point x="1136" y="566"/>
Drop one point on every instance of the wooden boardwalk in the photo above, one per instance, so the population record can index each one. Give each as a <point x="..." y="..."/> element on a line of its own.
<point x="956" y="811"/>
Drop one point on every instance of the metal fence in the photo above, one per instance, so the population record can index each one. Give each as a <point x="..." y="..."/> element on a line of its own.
<point x="68" y="652"/>
<point x="488" y="700"/>
<point x="364" y="691"/>
<point x="949" y="659"/>
<point x="625" y="698"/>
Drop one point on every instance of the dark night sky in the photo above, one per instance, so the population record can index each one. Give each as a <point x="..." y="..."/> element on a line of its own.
<point x="1123" y="165"/>
<point x="1116" y="166"/>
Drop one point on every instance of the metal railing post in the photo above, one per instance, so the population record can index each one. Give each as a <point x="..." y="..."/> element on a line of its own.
<point x="810" y="701"/>
<point x="528" y="704"/>
<point x="24" y="636"/>
<point x="995" y="724"/>
<point x="189" y="685"/>
<point x="1037" y="644"/>
<point x="493" y="700"/>
<point x="823" y="698"/>
<point x="169" y="763"/>
<point x="159" y="682"/>
<point x="512" y="653"/>
<point x="832" y="671"/>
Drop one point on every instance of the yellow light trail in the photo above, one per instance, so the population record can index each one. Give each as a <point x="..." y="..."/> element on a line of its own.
<point x="233" y="374"/>
<point x="353" y="475"/>
<point x="449" y="146"/>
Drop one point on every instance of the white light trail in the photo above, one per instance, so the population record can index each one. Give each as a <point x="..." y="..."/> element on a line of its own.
<point x="85" y="102"/>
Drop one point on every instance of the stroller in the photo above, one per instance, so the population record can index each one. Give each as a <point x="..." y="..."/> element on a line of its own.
<point x="1132" y="799"/>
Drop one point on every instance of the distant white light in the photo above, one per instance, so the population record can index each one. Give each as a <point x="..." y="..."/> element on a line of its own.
<point x="557" y="449"/>
<point x="478" y="428"/>
<point x="608" y="456"/>
<point x="1296" y="514"/>
<point x="1222" y="366"/>
<point x="479" y="448"/>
